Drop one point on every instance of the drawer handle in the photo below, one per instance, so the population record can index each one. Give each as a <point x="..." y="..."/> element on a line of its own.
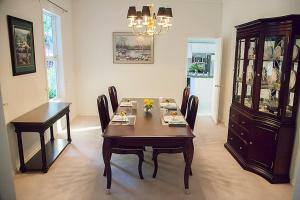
<point x="242" y="133"/>
<point x="243" y="122"/>
<point x="241" y="148"/>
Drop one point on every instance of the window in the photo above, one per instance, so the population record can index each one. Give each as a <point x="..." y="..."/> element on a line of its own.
<point x="51" y="53"/>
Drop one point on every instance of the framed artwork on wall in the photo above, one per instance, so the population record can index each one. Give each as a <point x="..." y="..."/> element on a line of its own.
<point x="129" y="48"/>
<point x="21" y="45"/>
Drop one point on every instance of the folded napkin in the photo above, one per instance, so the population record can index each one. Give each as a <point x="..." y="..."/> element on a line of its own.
<point x="119" y="118"/>
<point x="125" y="104"/>
<point x="169" y="106"/>
<point x="174" y="119"/>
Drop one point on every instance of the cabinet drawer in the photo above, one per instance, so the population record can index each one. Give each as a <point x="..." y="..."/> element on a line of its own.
<point x="239" y="130"/>
<point x="234" y="115"/>
<point x="238" y="144"/>
<point x="244" y="121"/>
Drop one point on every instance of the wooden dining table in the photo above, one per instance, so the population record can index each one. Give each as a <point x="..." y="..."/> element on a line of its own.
<point x="148" y="130"/>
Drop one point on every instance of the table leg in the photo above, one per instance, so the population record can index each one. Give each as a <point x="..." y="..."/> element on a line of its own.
<point x="189" y="151"/>
<point x="68" y="128"/>
<point x="43" y="151"/>
<point x="106" y="153"/>
<point x="51" y="132"/>
<point x="21" y="154"/>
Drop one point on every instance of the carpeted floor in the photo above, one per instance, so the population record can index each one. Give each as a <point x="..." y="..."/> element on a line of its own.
<point x="77" y="173"/>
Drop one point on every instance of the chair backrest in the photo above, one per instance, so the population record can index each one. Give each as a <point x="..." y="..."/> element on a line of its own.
<point x="192" y="109"/>
<point x="185" y="99"/>
<point x="103" y="111"/>
<point x="113" y="98"/>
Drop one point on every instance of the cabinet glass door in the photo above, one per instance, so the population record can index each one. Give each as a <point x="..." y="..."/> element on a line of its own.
<point x="271" y="74"/>
<point x="251" y="66"/>
<point x="293" y="78"/>
<point x="239" y="70"/>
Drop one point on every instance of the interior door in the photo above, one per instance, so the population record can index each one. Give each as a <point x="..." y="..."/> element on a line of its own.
<point x="217" y="80"/>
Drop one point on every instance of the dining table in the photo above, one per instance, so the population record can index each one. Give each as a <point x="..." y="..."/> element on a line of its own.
<point x="150" y="130"/>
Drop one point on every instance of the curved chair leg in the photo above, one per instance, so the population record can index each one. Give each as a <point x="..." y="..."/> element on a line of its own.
<point x="154" y="156"/>
<point x="184" y="155"/>
<point x="141" y="159"/>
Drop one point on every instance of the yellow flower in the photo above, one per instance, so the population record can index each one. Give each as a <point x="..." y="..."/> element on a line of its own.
<point x="148" y="102"/>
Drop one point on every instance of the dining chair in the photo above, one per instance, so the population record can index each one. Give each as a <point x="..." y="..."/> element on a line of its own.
<point x="192" y="108"/>
<point x="185" y="98"/>
<point x="104" y="120"/>
<point x="113" y="98"/>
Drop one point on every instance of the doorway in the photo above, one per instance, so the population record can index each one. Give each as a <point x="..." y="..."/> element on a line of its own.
<point x="203" y="74"/>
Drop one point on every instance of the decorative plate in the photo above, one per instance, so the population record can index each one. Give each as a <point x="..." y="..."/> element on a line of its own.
<point x="251" y="53"/>
<point x="268" y="53"/>
<point x="277" y="52"/>
<point x="295" y="52"/>
<point x="292" y="79"/>
<point x="250" y="74"/>
<point x="275" y="76"/>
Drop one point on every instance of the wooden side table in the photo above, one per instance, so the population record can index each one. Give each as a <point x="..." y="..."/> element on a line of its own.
<point x="39" y="120"/>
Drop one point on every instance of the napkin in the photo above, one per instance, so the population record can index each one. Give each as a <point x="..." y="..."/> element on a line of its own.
<point x="125" y="104"/>
<point x="119" y="118"/>
<point x="169" y="106"/>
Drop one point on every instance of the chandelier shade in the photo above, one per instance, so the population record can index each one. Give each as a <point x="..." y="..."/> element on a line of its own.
<point x="131" y="12"/>
<point x="146" y="23"/>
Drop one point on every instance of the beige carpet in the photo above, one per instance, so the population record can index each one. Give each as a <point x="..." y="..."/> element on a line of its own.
<point x="77" y="174"/>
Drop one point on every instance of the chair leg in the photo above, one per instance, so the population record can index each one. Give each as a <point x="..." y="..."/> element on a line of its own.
<point x="141" y="159"/>
<point x="154" y="157"/>
<point x="184" y="155"/>
<point x="104" y="172"/>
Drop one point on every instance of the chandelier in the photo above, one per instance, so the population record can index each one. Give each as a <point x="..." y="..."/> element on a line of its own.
<point x="147" y="23"/>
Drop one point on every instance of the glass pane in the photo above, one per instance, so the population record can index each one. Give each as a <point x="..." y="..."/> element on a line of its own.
<point x="239" y="70"/>
<point x="52" y="78"/>
<point x="250" y="71"/>
<point x="271" y="74"/>
<point x="49" y="34"/>
<point x="241" y="49"/>
<point x="293" y="77"/>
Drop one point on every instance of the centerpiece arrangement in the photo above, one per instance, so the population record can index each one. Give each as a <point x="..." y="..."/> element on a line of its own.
<point x="148" y="104"/>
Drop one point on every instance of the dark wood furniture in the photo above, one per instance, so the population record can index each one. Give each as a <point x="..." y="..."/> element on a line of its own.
<point x="185" y="98"/>
<point x="39" y="120"/>
<point x="147" y="131"/>
<point x="104" y="120"/>
<point x="192" y="108"/>
<point x="265" y="96"/>
<point x="113" y="98"/>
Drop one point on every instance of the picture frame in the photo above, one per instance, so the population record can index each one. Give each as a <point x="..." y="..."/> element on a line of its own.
<point x="129" y="48"/>
<point x="21" y="40"/>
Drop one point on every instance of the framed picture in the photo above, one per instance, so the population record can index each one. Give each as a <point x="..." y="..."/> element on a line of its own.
<point x="129" y="48"/>
<point x="21" y="46"/>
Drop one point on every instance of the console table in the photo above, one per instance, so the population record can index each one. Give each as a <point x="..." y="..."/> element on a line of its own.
<point x="39" y="120"/>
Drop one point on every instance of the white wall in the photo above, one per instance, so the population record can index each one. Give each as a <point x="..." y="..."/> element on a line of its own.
<point x="25" y="92"/>
<point x="7" y="187"/>
<point x="94" y="22"/>
<point x="236" y="12"/>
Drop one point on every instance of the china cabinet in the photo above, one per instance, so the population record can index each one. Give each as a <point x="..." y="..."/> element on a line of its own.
<point x="265" y="96"/>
